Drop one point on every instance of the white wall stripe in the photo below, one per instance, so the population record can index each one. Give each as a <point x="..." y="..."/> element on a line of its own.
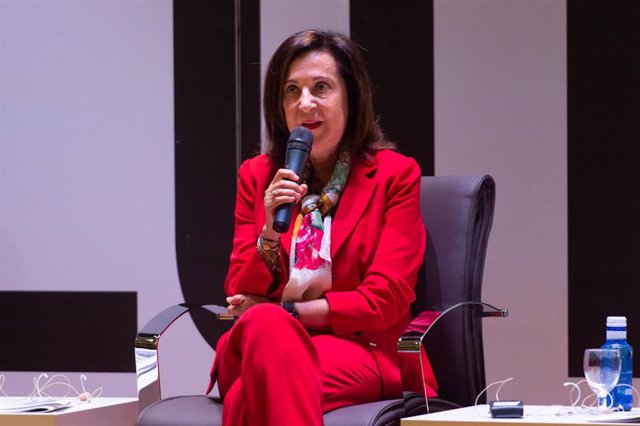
<point x="500" y="108"/>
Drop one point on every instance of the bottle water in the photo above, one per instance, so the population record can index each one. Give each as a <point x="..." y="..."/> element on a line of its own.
<point x="617" y="339"/>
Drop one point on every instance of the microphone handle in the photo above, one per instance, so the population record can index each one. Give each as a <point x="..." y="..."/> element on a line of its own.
<point x="295" y="160"/>
<point x="282" y="218"/>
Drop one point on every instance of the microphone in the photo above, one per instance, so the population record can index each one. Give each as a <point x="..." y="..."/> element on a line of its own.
<point x="298" y="149"/>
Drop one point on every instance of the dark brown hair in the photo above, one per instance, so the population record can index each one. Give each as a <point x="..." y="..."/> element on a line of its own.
<point x="362" y="134"/>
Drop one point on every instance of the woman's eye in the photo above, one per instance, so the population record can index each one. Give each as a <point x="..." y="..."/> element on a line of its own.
<point x="322" y="87"/>
<point x="291" y="90"/>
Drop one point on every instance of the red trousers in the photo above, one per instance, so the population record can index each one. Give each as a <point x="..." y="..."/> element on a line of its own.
<point x="270" y="371"/>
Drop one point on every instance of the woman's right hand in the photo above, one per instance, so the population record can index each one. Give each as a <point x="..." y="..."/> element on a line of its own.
<point x="283" y="189"/>
<point x="240" y="303"/>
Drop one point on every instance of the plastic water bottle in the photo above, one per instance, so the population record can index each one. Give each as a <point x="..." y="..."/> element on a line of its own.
<point x="617" y="339"/>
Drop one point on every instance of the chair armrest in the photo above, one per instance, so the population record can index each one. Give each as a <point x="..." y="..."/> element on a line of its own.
<point x="411" y="341"/>
<point x="148" y="337"/>
<point x="146" y="348"/>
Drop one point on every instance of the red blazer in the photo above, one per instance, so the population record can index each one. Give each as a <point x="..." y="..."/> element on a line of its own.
<point x="377" y="247"/>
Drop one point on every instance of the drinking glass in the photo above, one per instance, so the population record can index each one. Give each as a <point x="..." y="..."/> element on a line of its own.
<point x="602" y="371"/>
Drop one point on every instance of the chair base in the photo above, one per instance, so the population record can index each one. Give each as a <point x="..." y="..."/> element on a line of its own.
<point x="193" y="410"/>
<point x="203" y="410"/>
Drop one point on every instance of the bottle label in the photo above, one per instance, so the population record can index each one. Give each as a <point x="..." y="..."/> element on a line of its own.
<point x="622" y="394"/>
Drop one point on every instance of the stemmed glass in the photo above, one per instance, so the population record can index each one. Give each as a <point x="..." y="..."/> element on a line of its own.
<point x="602" y="371"/>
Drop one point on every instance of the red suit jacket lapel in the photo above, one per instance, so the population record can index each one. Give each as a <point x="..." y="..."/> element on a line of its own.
<point x="352" y="205"/>
<point x="353" y="202"/>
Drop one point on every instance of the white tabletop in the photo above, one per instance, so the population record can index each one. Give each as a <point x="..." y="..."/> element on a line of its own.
<point x="100" y="411"/>
<point x="533" y="415"/>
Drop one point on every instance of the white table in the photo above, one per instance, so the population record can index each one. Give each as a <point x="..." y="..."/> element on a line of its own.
<point x="98" y="412"/>
<point x="533" y="415"/>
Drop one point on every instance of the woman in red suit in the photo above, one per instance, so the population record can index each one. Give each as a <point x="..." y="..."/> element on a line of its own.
<point x="319" y="308"/>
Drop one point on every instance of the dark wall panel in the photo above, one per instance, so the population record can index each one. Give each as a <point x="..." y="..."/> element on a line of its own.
<point x="68" y="331"/>
<point x="604" y="171"/>
<point x="217" y="122"/>
<point x="205" y="145"/>
<point x="250" y="96"/>
<point x="398" y="39"/>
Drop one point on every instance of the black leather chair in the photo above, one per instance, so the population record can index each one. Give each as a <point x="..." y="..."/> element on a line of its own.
<point x="458" y="214"/>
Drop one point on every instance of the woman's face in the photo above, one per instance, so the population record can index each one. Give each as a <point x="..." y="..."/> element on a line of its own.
<point x="315" y="97"/>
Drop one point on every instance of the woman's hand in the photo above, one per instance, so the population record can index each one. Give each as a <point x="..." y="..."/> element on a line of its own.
<point x="239" y="303"/>
<point x="283" y="189"/>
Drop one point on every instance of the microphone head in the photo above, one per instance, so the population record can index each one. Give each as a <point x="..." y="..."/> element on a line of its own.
<point x="301" y="139"/>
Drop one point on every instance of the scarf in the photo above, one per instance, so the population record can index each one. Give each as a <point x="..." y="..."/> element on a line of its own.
<point x="310" y="260"/>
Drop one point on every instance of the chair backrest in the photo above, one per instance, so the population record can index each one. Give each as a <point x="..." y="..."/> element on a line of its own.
<point x="458" y="214"/>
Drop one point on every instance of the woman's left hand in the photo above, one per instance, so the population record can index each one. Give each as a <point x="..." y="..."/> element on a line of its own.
<point x="239" y="303"/>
